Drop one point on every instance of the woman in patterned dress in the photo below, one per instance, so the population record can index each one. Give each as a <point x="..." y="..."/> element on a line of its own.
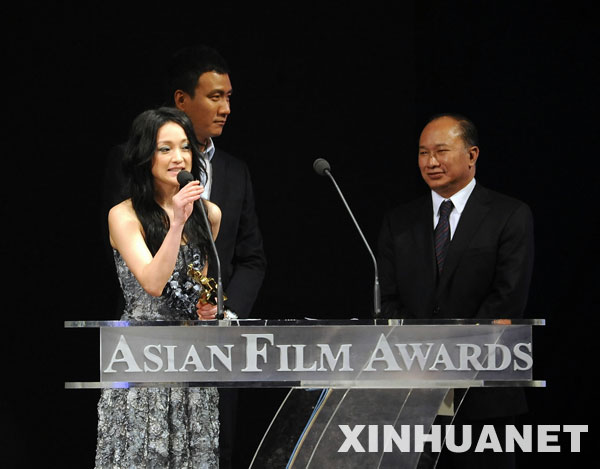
<point x="155" y="234"/>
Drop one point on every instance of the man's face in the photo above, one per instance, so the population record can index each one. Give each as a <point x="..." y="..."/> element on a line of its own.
<point x="209" y="107"/>
<point x="447" y="164"/>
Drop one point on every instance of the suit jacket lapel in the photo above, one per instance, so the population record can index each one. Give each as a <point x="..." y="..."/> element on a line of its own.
<point x="475" y="211"/>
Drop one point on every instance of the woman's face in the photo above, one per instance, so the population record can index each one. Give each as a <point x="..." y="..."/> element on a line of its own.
<point x="173" y="154"/>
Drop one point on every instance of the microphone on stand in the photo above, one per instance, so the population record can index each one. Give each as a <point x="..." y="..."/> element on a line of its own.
<point x="184" y="177"/>
<point x="322" y="168"/>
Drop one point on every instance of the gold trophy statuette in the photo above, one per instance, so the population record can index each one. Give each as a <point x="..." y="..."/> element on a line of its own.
<point x="209" y="286"/>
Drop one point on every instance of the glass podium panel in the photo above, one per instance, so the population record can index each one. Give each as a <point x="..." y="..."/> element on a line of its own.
<point x="316" y="424"/>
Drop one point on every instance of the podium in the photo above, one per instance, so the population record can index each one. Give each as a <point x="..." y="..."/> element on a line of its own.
<point x="362" y="392"/>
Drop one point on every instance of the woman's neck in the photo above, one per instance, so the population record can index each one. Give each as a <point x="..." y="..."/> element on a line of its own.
<point x="164" y="194"/>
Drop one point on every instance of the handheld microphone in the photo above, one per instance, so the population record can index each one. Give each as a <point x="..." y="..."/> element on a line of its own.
<point x="183" y="178"/>
<point x="322" y="168"/>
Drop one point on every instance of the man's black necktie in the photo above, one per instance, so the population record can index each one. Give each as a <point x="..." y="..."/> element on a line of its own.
<point x="441" y="235"/>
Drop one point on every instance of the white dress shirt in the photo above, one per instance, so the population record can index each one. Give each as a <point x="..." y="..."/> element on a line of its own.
<point x="207" y="155"/>
<point x="459" y="200"/>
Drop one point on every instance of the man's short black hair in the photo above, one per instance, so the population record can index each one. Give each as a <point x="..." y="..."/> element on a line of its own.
<point x="186" y="66"/>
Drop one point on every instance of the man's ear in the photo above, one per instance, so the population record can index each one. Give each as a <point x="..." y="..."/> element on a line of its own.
<point x="473" y="155"/>
<point x="179" y="98"/>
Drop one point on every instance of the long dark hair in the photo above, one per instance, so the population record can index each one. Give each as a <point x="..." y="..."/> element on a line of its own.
<point x="137" y="165"/>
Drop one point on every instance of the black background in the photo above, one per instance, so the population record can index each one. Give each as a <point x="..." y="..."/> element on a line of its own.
<point x="352" y="84"/>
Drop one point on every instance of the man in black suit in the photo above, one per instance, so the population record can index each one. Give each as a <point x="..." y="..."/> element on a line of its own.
<point x="476" y="264"/>
<point x="198" y="83"/>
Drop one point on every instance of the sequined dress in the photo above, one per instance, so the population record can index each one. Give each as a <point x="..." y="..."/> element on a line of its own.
<point x="167" y="428"/>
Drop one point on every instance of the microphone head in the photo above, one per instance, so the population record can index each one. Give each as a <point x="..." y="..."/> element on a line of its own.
<point x="183" y="177"/>
<point x="321" y="166"/>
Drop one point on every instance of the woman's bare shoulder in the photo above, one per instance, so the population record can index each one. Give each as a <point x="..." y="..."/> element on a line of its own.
<point x="122" y="210"/>
<point x="214" y="212"/>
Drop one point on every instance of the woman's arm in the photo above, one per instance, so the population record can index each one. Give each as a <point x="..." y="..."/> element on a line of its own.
<point x="126" y="235"/>
<point x="208" y="311"/>
<point x="214" y="217"/>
